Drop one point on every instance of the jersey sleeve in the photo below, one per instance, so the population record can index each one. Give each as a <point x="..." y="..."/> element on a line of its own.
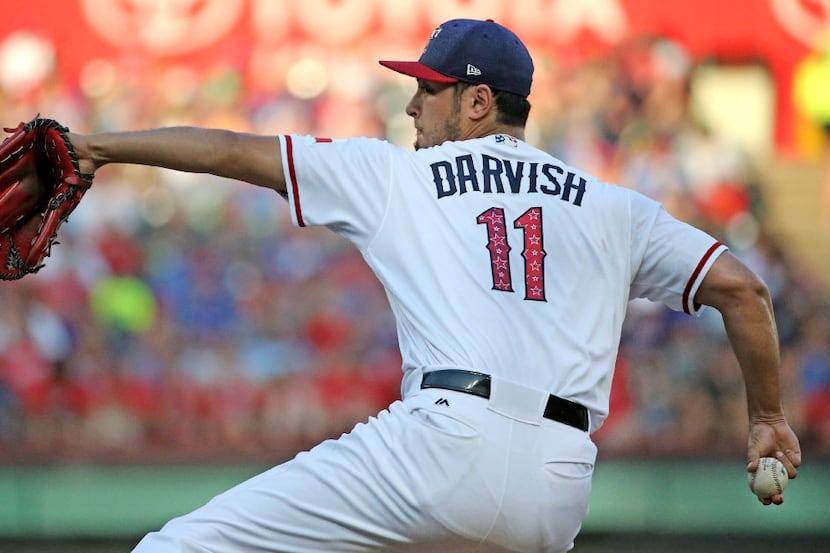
<point x="341" y="184"/>
<point x="674" y="257"/>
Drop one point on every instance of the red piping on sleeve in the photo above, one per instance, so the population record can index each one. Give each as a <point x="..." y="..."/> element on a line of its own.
<point x="292" y="174"/>
<point x="693" y="278"/>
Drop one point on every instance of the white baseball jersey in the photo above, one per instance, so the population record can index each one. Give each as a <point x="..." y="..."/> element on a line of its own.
<point x="497" y="257"/>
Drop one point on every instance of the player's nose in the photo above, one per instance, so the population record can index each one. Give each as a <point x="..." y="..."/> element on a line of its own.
<point x="412" y="108"/>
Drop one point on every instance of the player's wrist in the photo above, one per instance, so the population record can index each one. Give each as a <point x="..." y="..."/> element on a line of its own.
<point x="769" y="418"/>
<point x="88" y="161"/>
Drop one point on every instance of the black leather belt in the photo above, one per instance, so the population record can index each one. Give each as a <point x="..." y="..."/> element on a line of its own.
<point x="478" y="384"/>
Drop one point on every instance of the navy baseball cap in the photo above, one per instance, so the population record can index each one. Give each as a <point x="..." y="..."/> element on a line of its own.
<point x="473" y="51"/>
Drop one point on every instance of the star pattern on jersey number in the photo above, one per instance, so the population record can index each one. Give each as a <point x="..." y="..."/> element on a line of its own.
<point x="534" y="254"/>
<point x="499" y="248"/>
<point x="530" y="225"/>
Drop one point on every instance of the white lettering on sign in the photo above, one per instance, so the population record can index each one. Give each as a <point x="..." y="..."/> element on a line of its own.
<point x="606" y="18"/>
<point x="800" y="22"/>
<point x="163" y="26"/>
<point x="171" y="27"/>
<point x="555" y="20"/>
<point x="271" y="21"/>
<point x="335" y="21"/>
<point x="438" y="12"/>
<point x="400" y="18"/>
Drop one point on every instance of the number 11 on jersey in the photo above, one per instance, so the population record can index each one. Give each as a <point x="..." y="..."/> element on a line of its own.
<point x="533" y="253"/>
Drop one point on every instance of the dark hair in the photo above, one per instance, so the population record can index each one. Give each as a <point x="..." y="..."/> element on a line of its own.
<point x="512" y="109"/>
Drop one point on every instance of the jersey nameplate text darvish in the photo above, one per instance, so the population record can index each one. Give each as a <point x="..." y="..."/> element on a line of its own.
<point x="503" y="176"/>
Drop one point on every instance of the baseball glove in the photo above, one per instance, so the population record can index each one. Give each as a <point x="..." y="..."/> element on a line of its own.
<point x="40" y="185"/>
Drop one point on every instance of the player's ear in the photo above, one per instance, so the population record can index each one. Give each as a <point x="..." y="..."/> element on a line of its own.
<point x="481" y="101"/>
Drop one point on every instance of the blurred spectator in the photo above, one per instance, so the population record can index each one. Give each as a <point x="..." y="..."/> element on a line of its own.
<point x="813" y="365"/>
<point x="810" y="85"/>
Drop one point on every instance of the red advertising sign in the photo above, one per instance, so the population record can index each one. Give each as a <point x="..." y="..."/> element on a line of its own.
<point x="238" y="32"/>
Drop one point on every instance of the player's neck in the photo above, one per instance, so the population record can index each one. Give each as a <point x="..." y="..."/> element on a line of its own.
<point x="480" y="131"/>
<point x="515" y="132"/>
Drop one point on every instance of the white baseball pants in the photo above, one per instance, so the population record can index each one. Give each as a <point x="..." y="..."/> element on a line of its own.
<point x="438" y="471"/>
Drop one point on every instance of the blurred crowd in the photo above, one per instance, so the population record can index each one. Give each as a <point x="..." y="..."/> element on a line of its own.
<point x="183" y="316"/>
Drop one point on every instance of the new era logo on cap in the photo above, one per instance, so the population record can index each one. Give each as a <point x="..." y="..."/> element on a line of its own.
<point x="473" y="70"/>
<point x="473" y="51"/>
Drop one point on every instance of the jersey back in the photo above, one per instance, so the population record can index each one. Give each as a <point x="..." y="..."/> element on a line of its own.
<point x="497" y="257"/>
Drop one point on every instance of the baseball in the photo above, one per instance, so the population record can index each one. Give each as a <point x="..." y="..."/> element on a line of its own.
<point x="770" y="478"/>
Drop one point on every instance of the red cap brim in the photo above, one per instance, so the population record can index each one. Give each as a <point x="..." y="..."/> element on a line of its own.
<point x="418" y="70"/>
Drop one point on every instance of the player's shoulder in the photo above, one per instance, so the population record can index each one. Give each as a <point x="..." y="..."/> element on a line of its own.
<point x="611" y="195"/>
<point x="367" y="142"/>
<point x="344" y="150"/>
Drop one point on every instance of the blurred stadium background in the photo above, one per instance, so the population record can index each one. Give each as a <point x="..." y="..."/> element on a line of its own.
<point x="183" y="336"/>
